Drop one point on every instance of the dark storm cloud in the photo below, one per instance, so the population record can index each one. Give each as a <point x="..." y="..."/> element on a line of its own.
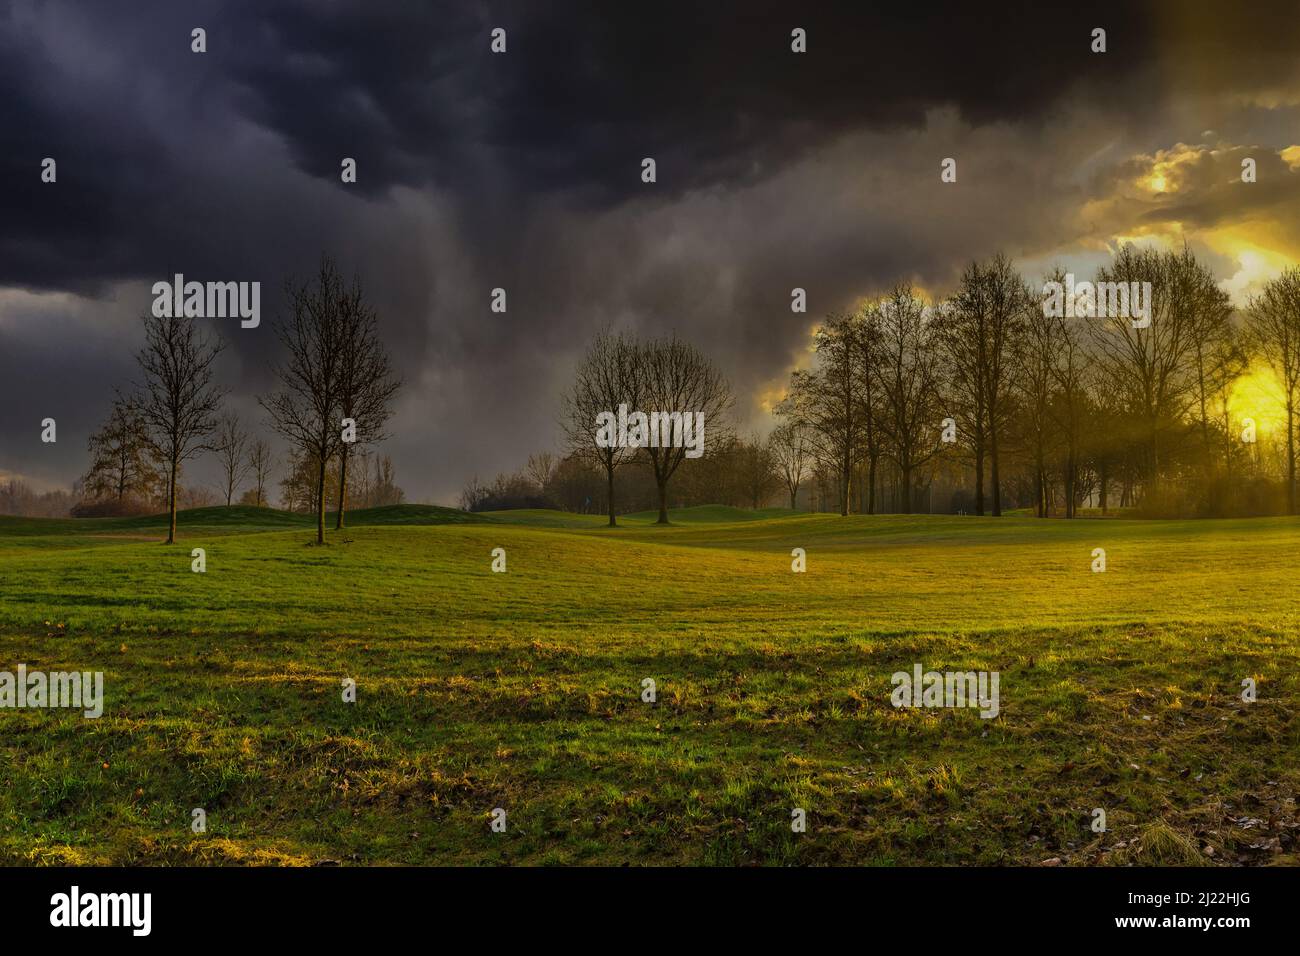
<point x="413" y="93"/>
<point x="522" y="171"/>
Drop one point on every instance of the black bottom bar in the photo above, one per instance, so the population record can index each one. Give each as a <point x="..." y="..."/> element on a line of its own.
<point x="356" y="906"/>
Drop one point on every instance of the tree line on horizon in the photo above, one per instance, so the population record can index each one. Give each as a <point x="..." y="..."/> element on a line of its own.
<point x="1041" y="410"/>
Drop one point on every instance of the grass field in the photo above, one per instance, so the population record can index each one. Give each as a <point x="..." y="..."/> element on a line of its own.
<point x="522" y="690"/>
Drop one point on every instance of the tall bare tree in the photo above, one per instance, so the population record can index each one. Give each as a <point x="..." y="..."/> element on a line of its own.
<point x="1034" y="357"/>
<point x="910" y="381"/>
<point x="960" y="328"/>
<point x="232" y="447"/>
<point x="677" y="377"/>
<point x="1231" y="360"/>
<point x="177" y="398"/>
<point x="367" y="383"/>
<point x="260" y="461"/>
<point x="1212" y="332"/>
<point x="1273" y="327"/>
<point x="305" y="410"/>
<point x="868" y="354"/>
<point x="606" y="377"/>
<point x="1151" y="363"/>
<point x="831" y="400"/>
<point x="979" y="332"/>
<point x="1069" y="405"/>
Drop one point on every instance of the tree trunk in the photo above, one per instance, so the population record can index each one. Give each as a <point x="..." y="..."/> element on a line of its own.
<point x="1040" y="505"/>
<point x="609" y="471"/>
<point x="343" y="487"/>
<point x="1290" y="458"/>
<point x="171" y="504"/>
<point x="871" y="485"/>
<point x="1069" y="485"/>
<point x="993" y="470"/>
<point x="320" y="504"/>
<point x="1155" y="457"/>
<point x="846" y="481"/>
<point x="979" y="477"/>
<point x="663" y="502"/>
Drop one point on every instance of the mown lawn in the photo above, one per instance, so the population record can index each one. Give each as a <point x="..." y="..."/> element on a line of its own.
<point x="522" y="690"/>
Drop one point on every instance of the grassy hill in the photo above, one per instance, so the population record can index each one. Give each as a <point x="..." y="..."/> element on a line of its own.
<point x="523" y="690"/>
<point x="236" y="518"/>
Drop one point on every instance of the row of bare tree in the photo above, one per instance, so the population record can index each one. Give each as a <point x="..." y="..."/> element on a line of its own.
<point x="991" y="386"/>
<point x="335" y="396"/>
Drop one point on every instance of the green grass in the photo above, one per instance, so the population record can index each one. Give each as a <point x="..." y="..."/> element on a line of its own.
<point x="522" y="690"/>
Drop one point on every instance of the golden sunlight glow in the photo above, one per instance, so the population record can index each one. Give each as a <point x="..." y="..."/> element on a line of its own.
<point x="1256" y="263"/>
<point x="1258" y="396"/>
<point x="771" y="397"/>
<point x="1164" y="174"/>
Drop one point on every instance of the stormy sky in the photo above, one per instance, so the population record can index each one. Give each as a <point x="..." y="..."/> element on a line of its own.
<point x="522" y="170"/>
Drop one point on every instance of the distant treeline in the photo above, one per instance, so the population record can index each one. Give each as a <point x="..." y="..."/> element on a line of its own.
<point x="985" y="401"/>
<point x="737" y="472"/>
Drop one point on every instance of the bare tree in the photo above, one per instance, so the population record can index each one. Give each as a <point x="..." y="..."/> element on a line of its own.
<point x="1034" y="358"/>
<point x="910" y="383"/>
<point x="1150" y="363"/>
<point x="979" y="331"/>
<point x="260" y="461"/>
<point x="868" y="367"/>
<point x="1211" y="318"/>
<point x="122" y="465"/>
<point x="231" y="447"/>
<point x="676" y="377"/>
<point x="791" y="448"/>
<point x="1232" y="361"/>
<point x="305" y="409"/>
<point x="961" y="332"/>
<point x="606" y="377"/>
<point x="367" y="384"/>
<point x="831" y="400"/>
<point x="756" y="464"/>
<point x="540" y="468"/>
<point x="1069" y="406"/>
<point x="177" y="399"/>
<point x="1273" y="328"/>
